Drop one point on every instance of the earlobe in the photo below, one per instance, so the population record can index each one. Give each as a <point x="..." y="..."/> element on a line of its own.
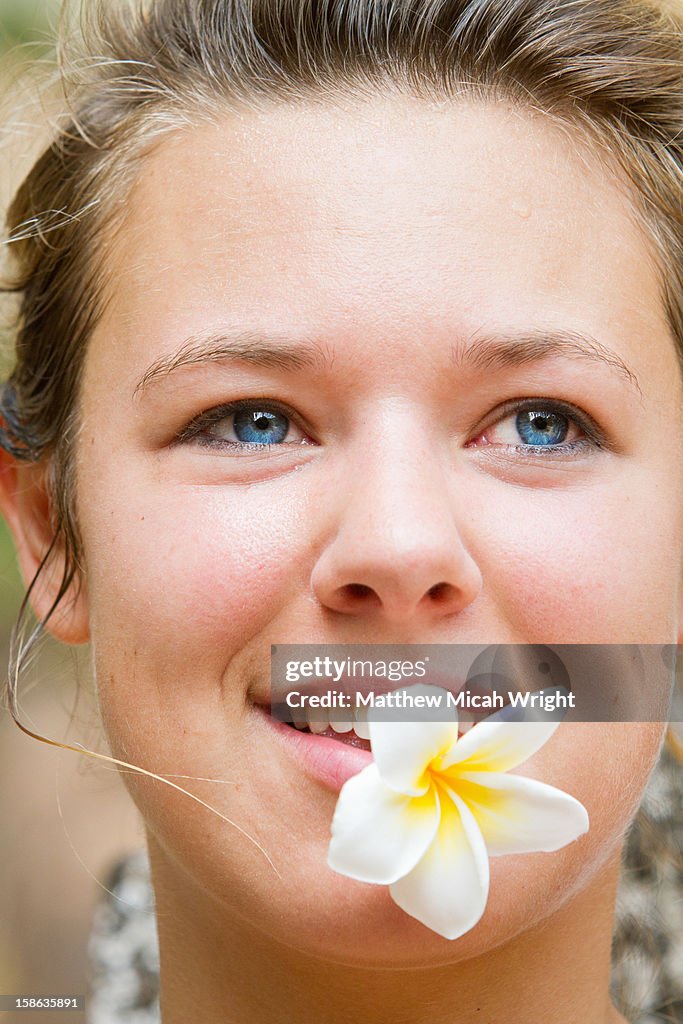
<point x="25" y="505"/>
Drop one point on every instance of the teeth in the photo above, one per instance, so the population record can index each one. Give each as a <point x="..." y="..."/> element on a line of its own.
<point x="342" y="726"/>
<point x="360" y="726"/>
<point x="318" y="723"/>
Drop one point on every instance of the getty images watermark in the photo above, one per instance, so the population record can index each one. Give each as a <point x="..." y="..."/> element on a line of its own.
<point x="325" y="667"/>
<point x="580" y="682"/>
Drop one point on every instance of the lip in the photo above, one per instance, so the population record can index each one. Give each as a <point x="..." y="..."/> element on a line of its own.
<point x="327" y="761"/>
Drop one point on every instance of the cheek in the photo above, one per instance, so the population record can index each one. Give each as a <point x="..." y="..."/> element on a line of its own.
<point x="201" y="570"/>
<point x="591" y="566"/>
<point x="183" y="587"/>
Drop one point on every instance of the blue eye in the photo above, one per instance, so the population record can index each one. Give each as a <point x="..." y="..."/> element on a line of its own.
<point x="541" y="427"/>
<point x="535" y="427"/>
<point x="260" y="426"/>
<point x="243" y="425"/>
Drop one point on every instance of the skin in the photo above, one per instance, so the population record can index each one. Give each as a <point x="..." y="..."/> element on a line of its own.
<point x="381" y="233"/>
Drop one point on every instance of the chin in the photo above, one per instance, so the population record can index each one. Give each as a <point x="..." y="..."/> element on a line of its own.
<point x="338" y="920"/>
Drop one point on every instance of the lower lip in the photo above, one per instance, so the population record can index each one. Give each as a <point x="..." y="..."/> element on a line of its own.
<point x="328" y="761"/>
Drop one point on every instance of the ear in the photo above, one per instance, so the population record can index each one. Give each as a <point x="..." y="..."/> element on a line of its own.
<point x="25" y="504"/>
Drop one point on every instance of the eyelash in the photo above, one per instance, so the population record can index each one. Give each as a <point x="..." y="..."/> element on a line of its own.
<point x="193" y="430"/>
<point x="594" y="436"/>
<point x="594" y="439"/>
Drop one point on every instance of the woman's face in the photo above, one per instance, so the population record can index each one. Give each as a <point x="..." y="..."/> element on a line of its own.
<point x="388" y="282"/>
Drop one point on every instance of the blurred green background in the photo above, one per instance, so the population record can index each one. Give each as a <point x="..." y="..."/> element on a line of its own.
<point x="65" y="820"/>
<point x="20" y="21"/>
<point x="26" y="21"/>
<point x="26" y="34"/>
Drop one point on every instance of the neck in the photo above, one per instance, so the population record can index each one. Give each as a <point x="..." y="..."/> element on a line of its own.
<point x="216" y="970"/>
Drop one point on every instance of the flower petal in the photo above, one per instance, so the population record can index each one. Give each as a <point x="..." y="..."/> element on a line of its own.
<point x="498" y="746"/>
<point x="378" y="835"/>
<point x="448" y="888"/>
<point x="403" y="750"/>
<point x="520" y="815"/>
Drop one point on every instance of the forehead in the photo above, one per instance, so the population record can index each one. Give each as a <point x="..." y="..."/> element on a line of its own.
<point x="388" y="213"/>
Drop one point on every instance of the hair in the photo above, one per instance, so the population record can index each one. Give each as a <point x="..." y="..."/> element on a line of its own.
<point x="610" y="71"/>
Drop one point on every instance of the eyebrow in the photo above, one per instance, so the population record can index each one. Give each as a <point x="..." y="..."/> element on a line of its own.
<point x="500" y="351"/>
<point x="267" y="351"/>
<point x="482" y="352"/>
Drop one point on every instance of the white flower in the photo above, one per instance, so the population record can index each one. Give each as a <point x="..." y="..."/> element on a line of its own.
<point x="427" y="814"/>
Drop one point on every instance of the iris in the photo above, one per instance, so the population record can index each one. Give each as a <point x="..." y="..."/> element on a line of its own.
<point x="542" y="427"/>
<point x="260" y="426"/>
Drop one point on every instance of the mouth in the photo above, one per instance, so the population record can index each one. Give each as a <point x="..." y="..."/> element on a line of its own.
<point x="342" y="732"/>
<point x="328" y="752"/>
<point x="325" y="753"/>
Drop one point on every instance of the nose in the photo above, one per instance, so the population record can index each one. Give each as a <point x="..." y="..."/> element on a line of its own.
<point x="395" y="550"/>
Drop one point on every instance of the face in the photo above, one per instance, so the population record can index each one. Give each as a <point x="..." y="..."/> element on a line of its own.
<point x="427" y="394"/>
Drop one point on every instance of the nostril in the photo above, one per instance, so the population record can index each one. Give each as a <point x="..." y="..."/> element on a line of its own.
<point x="440" y="592"/>
<point x="356" y="597"/>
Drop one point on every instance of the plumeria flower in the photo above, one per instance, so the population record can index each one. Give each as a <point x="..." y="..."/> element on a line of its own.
<point x="430" y="810"/>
